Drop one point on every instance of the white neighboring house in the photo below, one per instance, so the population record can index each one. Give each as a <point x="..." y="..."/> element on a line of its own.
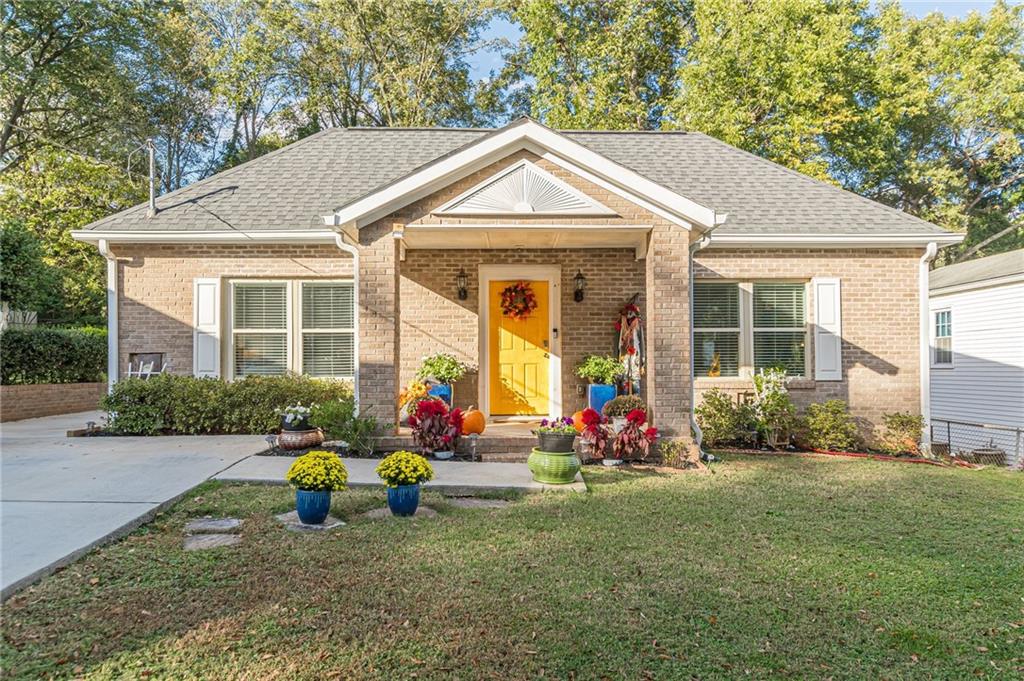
<point x="977" y="354"/>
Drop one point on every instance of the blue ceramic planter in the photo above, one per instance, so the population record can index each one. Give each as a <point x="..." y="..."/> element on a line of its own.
<point x="598" y="394"/>
<point x="444" y="391"/>
<point x="404" y="499"/>
<point x="312" y="506"/>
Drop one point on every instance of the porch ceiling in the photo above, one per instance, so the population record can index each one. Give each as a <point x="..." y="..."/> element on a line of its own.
<point x="526" y="236"/>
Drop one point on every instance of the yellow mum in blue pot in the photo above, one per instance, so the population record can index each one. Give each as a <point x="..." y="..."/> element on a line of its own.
<point x="315" y="475"/>
<point x="403" y="473"/>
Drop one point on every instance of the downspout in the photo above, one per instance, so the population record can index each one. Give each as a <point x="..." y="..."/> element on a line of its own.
<point x="112" y="340"/>
<point x="694" y="247"/>
<point x="339" y="241"/>
<point x="924" y="345"/>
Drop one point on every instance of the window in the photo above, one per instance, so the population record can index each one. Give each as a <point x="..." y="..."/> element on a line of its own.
<point x="780" y="333"/>
<point x="742" y="327"/>
<point x="716" y="333"/>
<point x="942" y="342"/>
<point x="304" y="327"/>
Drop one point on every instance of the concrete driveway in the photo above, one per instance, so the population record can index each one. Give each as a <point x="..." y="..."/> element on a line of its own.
<point x="61" y="496"/>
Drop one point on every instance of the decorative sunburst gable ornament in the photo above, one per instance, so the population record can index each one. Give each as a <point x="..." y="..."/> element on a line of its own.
<point x="524" y="188"/>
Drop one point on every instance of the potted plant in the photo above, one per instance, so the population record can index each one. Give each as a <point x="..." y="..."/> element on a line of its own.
<point x="295" y="418"/>
<point x="296" y="432"/>
<point x="617" y="409"/>
<point x="403" y="473"/>
<point x="602" y="372"/>
<point x="435" y="429"/>
<point x="315" y="475"/>
<point x="445" y="369"/>
<point x="634" y="440"/>
<point x="594" y="437"/>
<point x="557" y="435"/>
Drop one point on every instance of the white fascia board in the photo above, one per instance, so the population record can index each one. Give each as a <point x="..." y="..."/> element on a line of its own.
<point x="832" y="241"/>
<point x="238" y="237"/>
<point x="438" y="174"/>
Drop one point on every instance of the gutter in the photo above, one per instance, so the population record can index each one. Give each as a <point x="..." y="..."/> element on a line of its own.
<point x="924" y="349"/>
<point x="112" y="325"/>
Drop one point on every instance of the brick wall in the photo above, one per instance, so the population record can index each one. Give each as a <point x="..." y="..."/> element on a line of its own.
<point x="155" y="287"/>
<point x="879" y="320"/>
<point x="48" y="399"/>
<point x="435" y="320"/>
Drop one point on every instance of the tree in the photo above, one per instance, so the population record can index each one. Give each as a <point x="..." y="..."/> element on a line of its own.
<point x="25" y="280"/>
<point x="604" y="65"/>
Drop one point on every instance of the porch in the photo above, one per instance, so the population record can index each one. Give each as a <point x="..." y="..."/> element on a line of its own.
<point x="501" y="441"/>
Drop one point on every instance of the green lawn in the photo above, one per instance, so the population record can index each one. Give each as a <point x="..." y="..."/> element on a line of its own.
<point x="801" y="567"/>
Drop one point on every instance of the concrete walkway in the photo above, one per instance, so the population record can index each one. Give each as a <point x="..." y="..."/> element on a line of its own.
<point x="458" y="478"/>
<point x="61" y="496"/>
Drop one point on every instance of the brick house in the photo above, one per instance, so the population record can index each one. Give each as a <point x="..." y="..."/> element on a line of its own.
<point x="343" y="255"/>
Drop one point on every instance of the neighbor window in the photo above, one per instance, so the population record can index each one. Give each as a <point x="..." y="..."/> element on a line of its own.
<point x="293" y="326"/>
<point x="942" y="344"/>
<point x="742" y="327"/>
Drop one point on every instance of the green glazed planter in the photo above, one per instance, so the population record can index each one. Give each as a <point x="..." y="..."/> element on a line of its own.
<point x="553" y="468"/>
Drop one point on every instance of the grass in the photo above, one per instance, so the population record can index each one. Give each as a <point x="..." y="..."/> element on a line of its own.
<point x="775" y="566"/>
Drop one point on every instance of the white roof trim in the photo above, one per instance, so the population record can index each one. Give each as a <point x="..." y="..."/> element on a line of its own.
<point x="832" y="241"/>
<point x="266" y="236"/>
<point x="554" y="190"/>
<point x="499" y="144"/>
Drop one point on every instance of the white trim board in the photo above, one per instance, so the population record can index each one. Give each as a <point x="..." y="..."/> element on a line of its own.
<point x="285" y="236"/>
<point x="553" y="275"/>
<point x="832" y="240"/>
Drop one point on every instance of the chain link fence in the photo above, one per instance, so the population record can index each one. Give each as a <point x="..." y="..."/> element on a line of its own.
<point x="978" y="442"/>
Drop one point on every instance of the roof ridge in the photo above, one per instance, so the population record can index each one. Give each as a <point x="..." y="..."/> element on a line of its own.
<point x="815" y="181"/>
<point x="216" y="176"/>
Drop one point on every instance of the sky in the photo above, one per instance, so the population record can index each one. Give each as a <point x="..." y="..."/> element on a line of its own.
<point x="482" y="63"/>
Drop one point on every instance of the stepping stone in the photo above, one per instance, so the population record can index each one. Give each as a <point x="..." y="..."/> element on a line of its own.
<point x="200" y="542"/>
<point x="470" y="502"/>
<point x="378" y="513"/>
<point x="292" y="523"/>
<point x="212" y="525"/>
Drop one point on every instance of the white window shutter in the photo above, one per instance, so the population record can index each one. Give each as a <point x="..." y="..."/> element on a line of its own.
<point x="206" y="327"/>
<point x="828" y="329"/>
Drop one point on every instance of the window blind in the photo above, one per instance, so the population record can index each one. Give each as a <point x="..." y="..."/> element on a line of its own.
<point x="327" y="305"/>
<point x="328" y="354"/>
<point x="328" y="336"/>
<point x="261" y="306"/>
<point x="778" y="329"/>
<point x="260" y="319"/>
<point x="779" y="305"/>
<point x="716" y="337"/>
<point x="716" y="305"/>
<point x="261" y="354"/>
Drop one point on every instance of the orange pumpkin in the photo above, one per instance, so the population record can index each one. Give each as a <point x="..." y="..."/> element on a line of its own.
<point x="473" y="422"/>
<point x="577" y="421"/>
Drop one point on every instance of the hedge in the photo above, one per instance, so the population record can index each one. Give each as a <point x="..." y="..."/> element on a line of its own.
<point x="183" y="405"/>
<point x="50" y="355"/>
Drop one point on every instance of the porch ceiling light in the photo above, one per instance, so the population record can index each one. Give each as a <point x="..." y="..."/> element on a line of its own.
<point x="579" y="286"/>
<point x="462" y="284"/>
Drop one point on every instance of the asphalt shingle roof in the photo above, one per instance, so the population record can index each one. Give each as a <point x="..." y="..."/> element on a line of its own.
<point x="293" y="187"/>
<point x="982" y="269"/>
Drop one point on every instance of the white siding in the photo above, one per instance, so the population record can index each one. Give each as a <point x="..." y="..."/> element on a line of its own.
<point x="986" y="381"/>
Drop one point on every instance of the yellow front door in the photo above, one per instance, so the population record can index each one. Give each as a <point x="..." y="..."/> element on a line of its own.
<point x="518" y="355"/>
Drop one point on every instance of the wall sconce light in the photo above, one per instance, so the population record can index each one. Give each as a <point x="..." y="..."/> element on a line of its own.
<point x="462" y="283"/>
<point x="579" y="286"/>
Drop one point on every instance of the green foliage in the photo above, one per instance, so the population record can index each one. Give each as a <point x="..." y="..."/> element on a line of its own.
<point x="443" y="367"/>
<point x="602" y="370"/>
<point x="675" y="453"/>
<point x="47" y="355"/>
<point x="170" y="404"/>
<point x="339" y="421"/>
<point x="774" y="412"/>
<point x="25" y="280"/>
<point x="722" y="421"/>
<point x="902" y="433"/>
<point x="829" y="426"/>
<point x="621" y="405"/>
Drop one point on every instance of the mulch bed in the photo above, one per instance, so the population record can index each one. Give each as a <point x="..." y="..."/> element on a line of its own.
<point x="343" y="452"/>
<point x="856" y="455"/>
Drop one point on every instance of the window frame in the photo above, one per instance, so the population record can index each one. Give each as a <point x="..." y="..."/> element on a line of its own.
<point x="294" y="332"/>
<point x="741" y="317"/>
<point x="933" y="348"/>
<point x="746" y="319"/>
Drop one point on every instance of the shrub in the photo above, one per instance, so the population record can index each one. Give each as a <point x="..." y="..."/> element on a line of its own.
<point x="318" y="471"/>
<point x="434" y="428"/>
<point x="170" y="404"/>
<point x="675" y="453"/>
<point x="339" y="421"/>
<point x="773" y="410"/>
<point x="829" y="426"/>
<point x="443" y="367"/>
<point x="718" y="418"/>
<point x="603" y="370"/>
<point x="404" y="468"/>
<point x="49" y="355"/>
<point x="902" y="433"/>
<point x="622" y="405"/>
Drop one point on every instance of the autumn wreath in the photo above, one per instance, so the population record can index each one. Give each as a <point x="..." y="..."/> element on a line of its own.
<point x="518" y="301"/>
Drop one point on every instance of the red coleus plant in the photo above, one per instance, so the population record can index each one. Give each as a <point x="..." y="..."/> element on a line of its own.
<point x="595" y="433"/>
<point x="434" y="428"/>
<point x="634" y="441"/>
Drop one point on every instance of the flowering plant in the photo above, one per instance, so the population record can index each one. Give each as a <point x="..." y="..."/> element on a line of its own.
<point x="404" y="468"/>
<point x="594" y="437"/>
<point x="443" y="367"/>
<point x="318" y="471"/>
<point x="600" y="370"/>
<point x="560" y="426"/>
<point x="295" y="414"/>
<point x="414" y="392"/>
<point x="518" y="301"/>
<point x="434" y="428"/>
<point x="634" y="440"/>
